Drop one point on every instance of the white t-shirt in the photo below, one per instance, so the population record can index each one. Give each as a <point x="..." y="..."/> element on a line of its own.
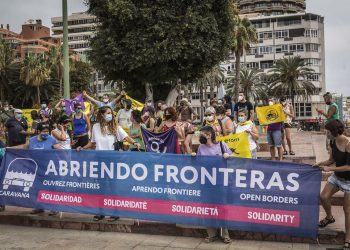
<point x="64" y="144"/>
<point x="124" y="118"/>
<point x="247" y="127"/>
<point x="105" y="142"/>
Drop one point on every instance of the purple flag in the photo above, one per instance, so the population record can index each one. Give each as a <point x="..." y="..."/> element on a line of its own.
<point x="70" y="103"/>
<point x="165" y="142"/>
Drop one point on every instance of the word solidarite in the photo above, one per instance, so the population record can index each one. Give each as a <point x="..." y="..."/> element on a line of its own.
<point x="242" y="178"/>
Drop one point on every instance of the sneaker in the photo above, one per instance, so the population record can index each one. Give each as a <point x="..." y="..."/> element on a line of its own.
<point x="2" y="208"/>
<point x="37" y="211"/>
<point x="98" y="217"/>
<point x="53" y="213"/>
<point x="111" y="219"/>
<point x="211" y="239"/>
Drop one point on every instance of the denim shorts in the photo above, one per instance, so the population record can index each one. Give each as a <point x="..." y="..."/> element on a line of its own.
<point x="274" y="138"/>
<point x="342" y="184"/>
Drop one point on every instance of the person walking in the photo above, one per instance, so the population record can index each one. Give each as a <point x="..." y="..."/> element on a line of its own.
<point x="81" y="127"/>
<point x="209" y="146"/>
<point x="107" y="135"/>
<point x="287" y="126"/>
<point x="340" y="179"/>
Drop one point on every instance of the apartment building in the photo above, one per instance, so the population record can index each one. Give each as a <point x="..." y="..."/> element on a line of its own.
<point x="271" y="7"/>
<point x="81" y="28"/>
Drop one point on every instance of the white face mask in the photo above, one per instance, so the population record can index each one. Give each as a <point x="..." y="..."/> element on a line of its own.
<point x="6" y="108"/>
<point x="271" y="103"/>
<point x="43" y="106"/>
<point x="209" y="118"/>
<point x="105" y="100"/>
<point x="108" y="117"/>
<point x="240" y="98"/>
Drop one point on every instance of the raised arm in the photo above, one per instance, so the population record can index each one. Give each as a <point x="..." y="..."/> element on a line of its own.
<point x="90" y="98"/>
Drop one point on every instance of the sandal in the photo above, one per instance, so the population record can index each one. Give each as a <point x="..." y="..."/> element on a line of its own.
<point x="211" y="239"/>
<point x="111" y="219"/>
<point x="285" y="152"/>
<point x="291" y="153"/>
<point x="227" y="240"/>
<point x="98" y="217"/>
<point x="326" y="221"/>
<point x="346" y="245"/>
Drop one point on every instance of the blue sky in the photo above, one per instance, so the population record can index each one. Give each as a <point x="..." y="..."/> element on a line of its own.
<point x="337" y="27"/>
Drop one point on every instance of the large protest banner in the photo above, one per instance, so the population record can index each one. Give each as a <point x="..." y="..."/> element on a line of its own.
<point x="270" y="114"/>
<point x="238" y="143"/>
<point x="241" y="194"/>
<point x="165" y="142"/>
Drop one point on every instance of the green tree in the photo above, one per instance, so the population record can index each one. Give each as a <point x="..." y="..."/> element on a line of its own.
<point x="244" y="34"/>
<point x="7" y="57"/>
<point x="54" y="59"/>
<point x="252" y="85"/>
<point x="291" y="78"/>
<point x="156" y="42"/>
<point x="35" y="72"/>
<point x="80" y="76"/>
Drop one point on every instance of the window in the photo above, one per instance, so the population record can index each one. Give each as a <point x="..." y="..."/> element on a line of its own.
<point x="311" y="33"/>
<point x="289" y="22"/>
<point x="252" y="51"/>
<point x="303" y="109"/>
<point x="312" y="61"/>
<point x="281" y="34"/>
<point x="313" y="77"/>
<point x="296" y="47"/>
<point x="312" y="47"/>
<point x="196" y="96"/>
<point x="265" y="35"/>
<point x="266" y="64"/>
<point x="265" y="50"/>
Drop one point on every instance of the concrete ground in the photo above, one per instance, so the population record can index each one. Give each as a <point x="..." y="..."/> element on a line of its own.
<point x="16" y="237"/>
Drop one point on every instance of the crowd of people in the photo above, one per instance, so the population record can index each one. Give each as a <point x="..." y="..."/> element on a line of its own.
<point x="112" y="124"/>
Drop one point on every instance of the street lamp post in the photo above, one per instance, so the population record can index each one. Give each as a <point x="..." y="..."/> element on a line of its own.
<point x="65" y="51"/>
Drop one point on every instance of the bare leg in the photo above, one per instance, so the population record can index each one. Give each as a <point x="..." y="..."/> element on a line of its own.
<point x="287" y="134"/>
<point x="283" y="140"/>
<point x="188" y="139"/>
<point x="325" y="198"/>
<point x="346" y="208"/>
<point x="273" y="153"/>
<point x="280" y="153"/>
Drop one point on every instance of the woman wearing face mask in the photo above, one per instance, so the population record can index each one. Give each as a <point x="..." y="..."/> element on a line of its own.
<point x="248" y="126"/>
<point x="211" y="120"/>
<point x="135" y="130"/>
<point x="209" y="146"/>
<point x="187" y="116"/>
<point x="287" y="125"/>
<point x="106" y="134"/>
<point x="60" y="133"/>
<point x="124" y="115"/>
<point x="148" y="119"/>
<point x="225" y="120"/>
<point x="44" y="119"/>
<point x="159" y="114"/>
<point x="81" y="127"/>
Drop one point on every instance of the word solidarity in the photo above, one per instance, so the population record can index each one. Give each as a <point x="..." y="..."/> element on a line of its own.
<point x="237" y="193"/>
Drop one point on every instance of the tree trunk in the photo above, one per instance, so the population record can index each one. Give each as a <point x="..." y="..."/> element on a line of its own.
<point x="173" y="94"/>
<point x="186" y="91"/>
<point x="205" y="94"/>
<point x="149" y="91"/>
<point x="38" y="93"/>
<point x="211" y="89"/>
<point x="2" y="94"/>
<point x="238" y="76"/>
<point x="201" y="100"/>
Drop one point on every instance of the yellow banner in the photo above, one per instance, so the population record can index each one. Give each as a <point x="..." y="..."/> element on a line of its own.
<point x="87" y="107"/>
<point x="270" y="114"/>
<point x="135" y="104"/>
<point x="26" y="114"/>
<point x="238" y="143"/>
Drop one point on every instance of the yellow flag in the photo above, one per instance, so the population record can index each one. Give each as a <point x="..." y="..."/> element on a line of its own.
<point x="135" y="104"/>
<point x="27" y="115"/>
<point x="238" y="143"/>
<point x="87" y="107"/>
<point x="270" y="114"/>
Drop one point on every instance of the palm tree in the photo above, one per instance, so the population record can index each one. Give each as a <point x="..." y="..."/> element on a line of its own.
<point x="54" y="58"/>
<point x="252" y="85"/>
<point x="214" y="78"/>
<point x="7" y="57"/>
<point x="244" y="34"/>
<point x="291" y="78"/>
<point x="35" y="72"/>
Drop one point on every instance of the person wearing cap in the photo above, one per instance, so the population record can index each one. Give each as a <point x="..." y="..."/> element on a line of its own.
<point x="211" y="120"/>
<point x="60" y="133"/>
<point x="187" y="116"/>
<point x="17" y="129"/>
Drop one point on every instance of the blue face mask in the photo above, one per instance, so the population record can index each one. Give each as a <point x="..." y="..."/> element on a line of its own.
<point x="44" y="136"/>
<point x="108" y="117"/>
<point x="78" y="110"/>
<point x="241" y="119"/>
<point x="18" y="116"/>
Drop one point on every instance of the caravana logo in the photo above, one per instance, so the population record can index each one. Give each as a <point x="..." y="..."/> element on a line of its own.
<point x="271" y="115"/>
<point x="20" y="172"/>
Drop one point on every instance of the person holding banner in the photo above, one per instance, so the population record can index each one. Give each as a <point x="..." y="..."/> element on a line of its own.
<point x="248" y="126"/>
<point x="105" y="100"/>
<point x="340" y="179"/>
<point x="287" y="125"/>
<point x="107" y="135"/>
<point x="209" y="146"/>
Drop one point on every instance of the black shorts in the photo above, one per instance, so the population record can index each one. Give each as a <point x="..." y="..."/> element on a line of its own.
<point x="287" y="125"/>
<point x="81" y="141"/>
